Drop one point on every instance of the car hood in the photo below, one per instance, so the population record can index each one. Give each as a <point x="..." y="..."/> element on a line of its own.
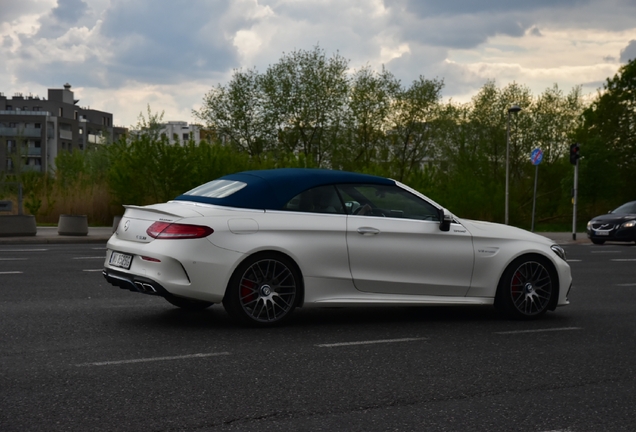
<point x="615" y="218"/>
<point x="500" y="231"/>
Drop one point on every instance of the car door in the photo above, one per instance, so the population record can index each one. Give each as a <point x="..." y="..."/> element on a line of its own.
<point x="396" y="246"/>
<point x="312" y="227"/>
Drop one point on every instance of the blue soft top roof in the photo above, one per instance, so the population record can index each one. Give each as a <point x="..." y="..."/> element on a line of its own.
<point x="272" y="189"/>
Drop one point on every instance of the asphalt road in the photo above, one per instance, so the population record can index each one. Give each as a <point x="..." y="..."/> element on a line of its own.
<point x="77" y="354"/>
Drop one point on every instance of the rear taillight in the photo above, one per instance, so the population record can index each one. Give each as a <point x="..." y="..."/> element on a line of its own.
<point x="166" y="230"/>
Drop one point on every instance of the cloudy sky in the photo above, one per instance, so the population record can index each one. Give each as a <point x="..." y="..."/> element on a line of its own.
<point x="122" y="55"/>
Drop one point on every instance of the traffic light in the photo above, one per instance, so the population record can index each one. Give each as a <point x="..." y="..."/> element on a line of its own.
<point x="574" y="153"/>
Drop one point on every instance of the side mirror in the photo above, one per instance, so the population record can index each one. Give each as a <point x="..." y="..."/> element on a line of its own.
<point x="445" y="220"/>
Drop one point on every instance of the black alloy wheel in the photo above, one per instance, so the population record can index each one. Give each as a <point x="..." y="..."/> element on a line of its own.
<point x="527" y="288"/>
<point x="263" y="290"/>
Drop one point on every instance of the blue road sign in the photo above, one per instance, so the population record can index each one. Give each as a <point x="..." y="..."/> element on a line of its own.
<point x="536" y="156"/>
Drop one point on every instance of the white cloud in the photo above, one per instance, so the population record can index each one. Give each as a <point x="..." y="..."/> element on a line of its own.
<point x="121" y="56"/>
<point x="629" y="52"/>
<point x="567" y="57"/>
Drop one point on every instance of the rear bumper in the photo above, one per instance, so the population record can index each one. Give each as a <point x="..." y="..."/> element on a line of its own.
<point x="134" y="283"/>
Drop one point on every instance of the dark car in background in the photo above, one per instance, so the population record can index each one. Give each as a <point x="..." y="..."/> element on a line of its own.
<point x="617" y="225"/>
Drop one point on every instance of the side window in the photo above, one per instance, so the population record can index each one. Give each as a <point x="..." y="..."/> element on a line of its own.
<point x="386" y="201"/>
<point x="323" y="199"/>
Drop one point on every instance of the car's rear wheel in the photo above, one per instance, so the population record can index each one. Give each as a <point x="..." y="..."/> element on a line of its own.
<point x="263" y="290"/>
<point x="598" y="242"/>
<point x="188" y="304"/>
<point x="527" y="288"/>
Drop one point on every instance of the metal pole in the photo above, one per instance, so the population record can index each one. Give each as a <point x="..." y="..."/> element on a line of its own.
<point x="534" y="197"/>
<point x="574" y="198"/>
<point x="507" y="166"/>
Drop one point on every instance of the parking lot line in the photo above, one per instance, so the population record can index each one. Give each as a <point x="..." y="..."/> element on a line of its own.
<point x="23" y="250"/>
<point x="626" y="284"/>
<point x="151" y="359"/>
<point x="369" y="342"/>
<point x="539" y="330"/>
<point x="11" y="272"/>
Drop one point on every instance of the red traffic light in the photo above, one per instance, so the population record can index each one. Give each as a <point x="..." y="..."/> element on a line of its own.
<point x="574" y="153"/>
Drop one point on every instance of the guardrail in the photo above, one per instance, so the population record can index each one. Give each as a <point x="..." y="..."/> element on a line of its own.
<point x="25" y="132"/>
<point x="20" y="112"/>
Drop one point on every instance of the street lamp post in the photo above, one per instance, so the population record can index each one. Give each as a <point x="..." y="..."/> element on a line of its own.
<point x="514" y="108"/>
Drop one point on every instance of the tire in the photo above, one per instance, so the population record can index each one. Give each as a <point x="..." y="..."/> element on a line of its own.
<point x="188" y="304"/>
<point x="598" y="242"/>
<point x="264" y="290"/>
<point x="527" y="288"/>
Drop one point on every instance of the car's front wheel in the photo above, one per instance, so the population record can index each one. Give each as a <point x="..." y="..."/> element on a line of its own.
<point x="598" y="242"/>
<point x="263" y="290"/>
<point x="526" y="288"/>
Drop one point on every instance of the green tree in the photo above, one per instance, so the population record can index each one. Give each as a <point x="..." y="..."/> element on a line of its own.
<point x="411" y="124"/>
<point x="370" y="102"/>
<point x="151" y="125"/>
<point x="237" y="114"/>
<point x="608" y="144"/>
<point x="471" y="150"/>
<point x="306" y="96"/>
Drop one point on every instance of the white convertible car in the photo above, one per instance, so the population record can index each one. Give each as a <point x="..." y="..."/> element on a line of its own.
<point x="265" y="242"/>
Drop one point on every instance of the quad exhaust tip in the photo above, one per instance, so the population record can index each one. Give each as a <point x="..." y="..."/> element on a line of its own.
<point x="145" y="287"/>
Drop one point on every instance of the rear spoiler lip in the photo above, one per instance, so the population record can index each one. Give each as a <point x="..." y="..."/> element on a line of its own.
<point x="154" y="210"/>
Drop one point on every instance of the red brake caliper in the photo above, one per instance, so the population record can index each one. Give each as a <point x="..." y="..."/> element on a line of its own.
<point x="516" y="282"/>
<point x="247" y="292"/>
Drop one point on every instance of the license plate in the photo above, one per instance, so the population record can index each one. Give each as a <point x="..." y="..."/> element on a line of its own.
<point x="120" y="260"/>
<point x="602" y="233"/>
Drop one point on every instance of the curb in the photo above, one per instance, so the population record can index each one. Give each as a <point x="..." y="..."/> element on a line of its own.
<point x="49" y="235"/>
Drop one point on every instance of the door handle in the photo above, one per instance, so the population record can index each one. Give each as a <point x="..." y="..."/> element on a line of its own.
<point x="368" y="231"/>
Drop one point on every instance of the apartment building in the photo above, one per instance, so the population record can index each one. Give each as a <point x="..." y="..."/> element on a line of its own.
<point x="176" y="132"/>
<point x="180" y="132"/>
<point x="33" y="130"/>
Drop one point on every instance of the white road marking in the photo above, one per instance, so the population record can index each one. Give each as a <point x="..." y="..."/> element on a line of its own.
<point x="539" y="330"/>
<point x="572" y="260"/>
<point x="627" y="284"/>
<point x="13" y="259"/>
<point x="623" y="259"/>
<point x="99" y="248"/>
<point x="610" y="251"/>
<point x="93" y="257"/>
<point x="11" y="272"/>
<point x="151" y="359"/>
<point x="23" y="250"/>
<point x="369" y="342"/>
<point x="93" y="270"/>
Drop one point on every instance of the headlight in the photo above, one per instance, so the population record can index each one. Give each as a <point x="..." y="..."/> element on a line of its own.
<point x="559" y="251"/>
<point x="629" y="224"/>
<point x="589" y="225"/>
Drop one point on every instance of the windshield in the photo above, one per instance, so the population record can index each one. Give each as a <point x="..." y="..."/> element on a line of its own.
<point x="628" y="208"/>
